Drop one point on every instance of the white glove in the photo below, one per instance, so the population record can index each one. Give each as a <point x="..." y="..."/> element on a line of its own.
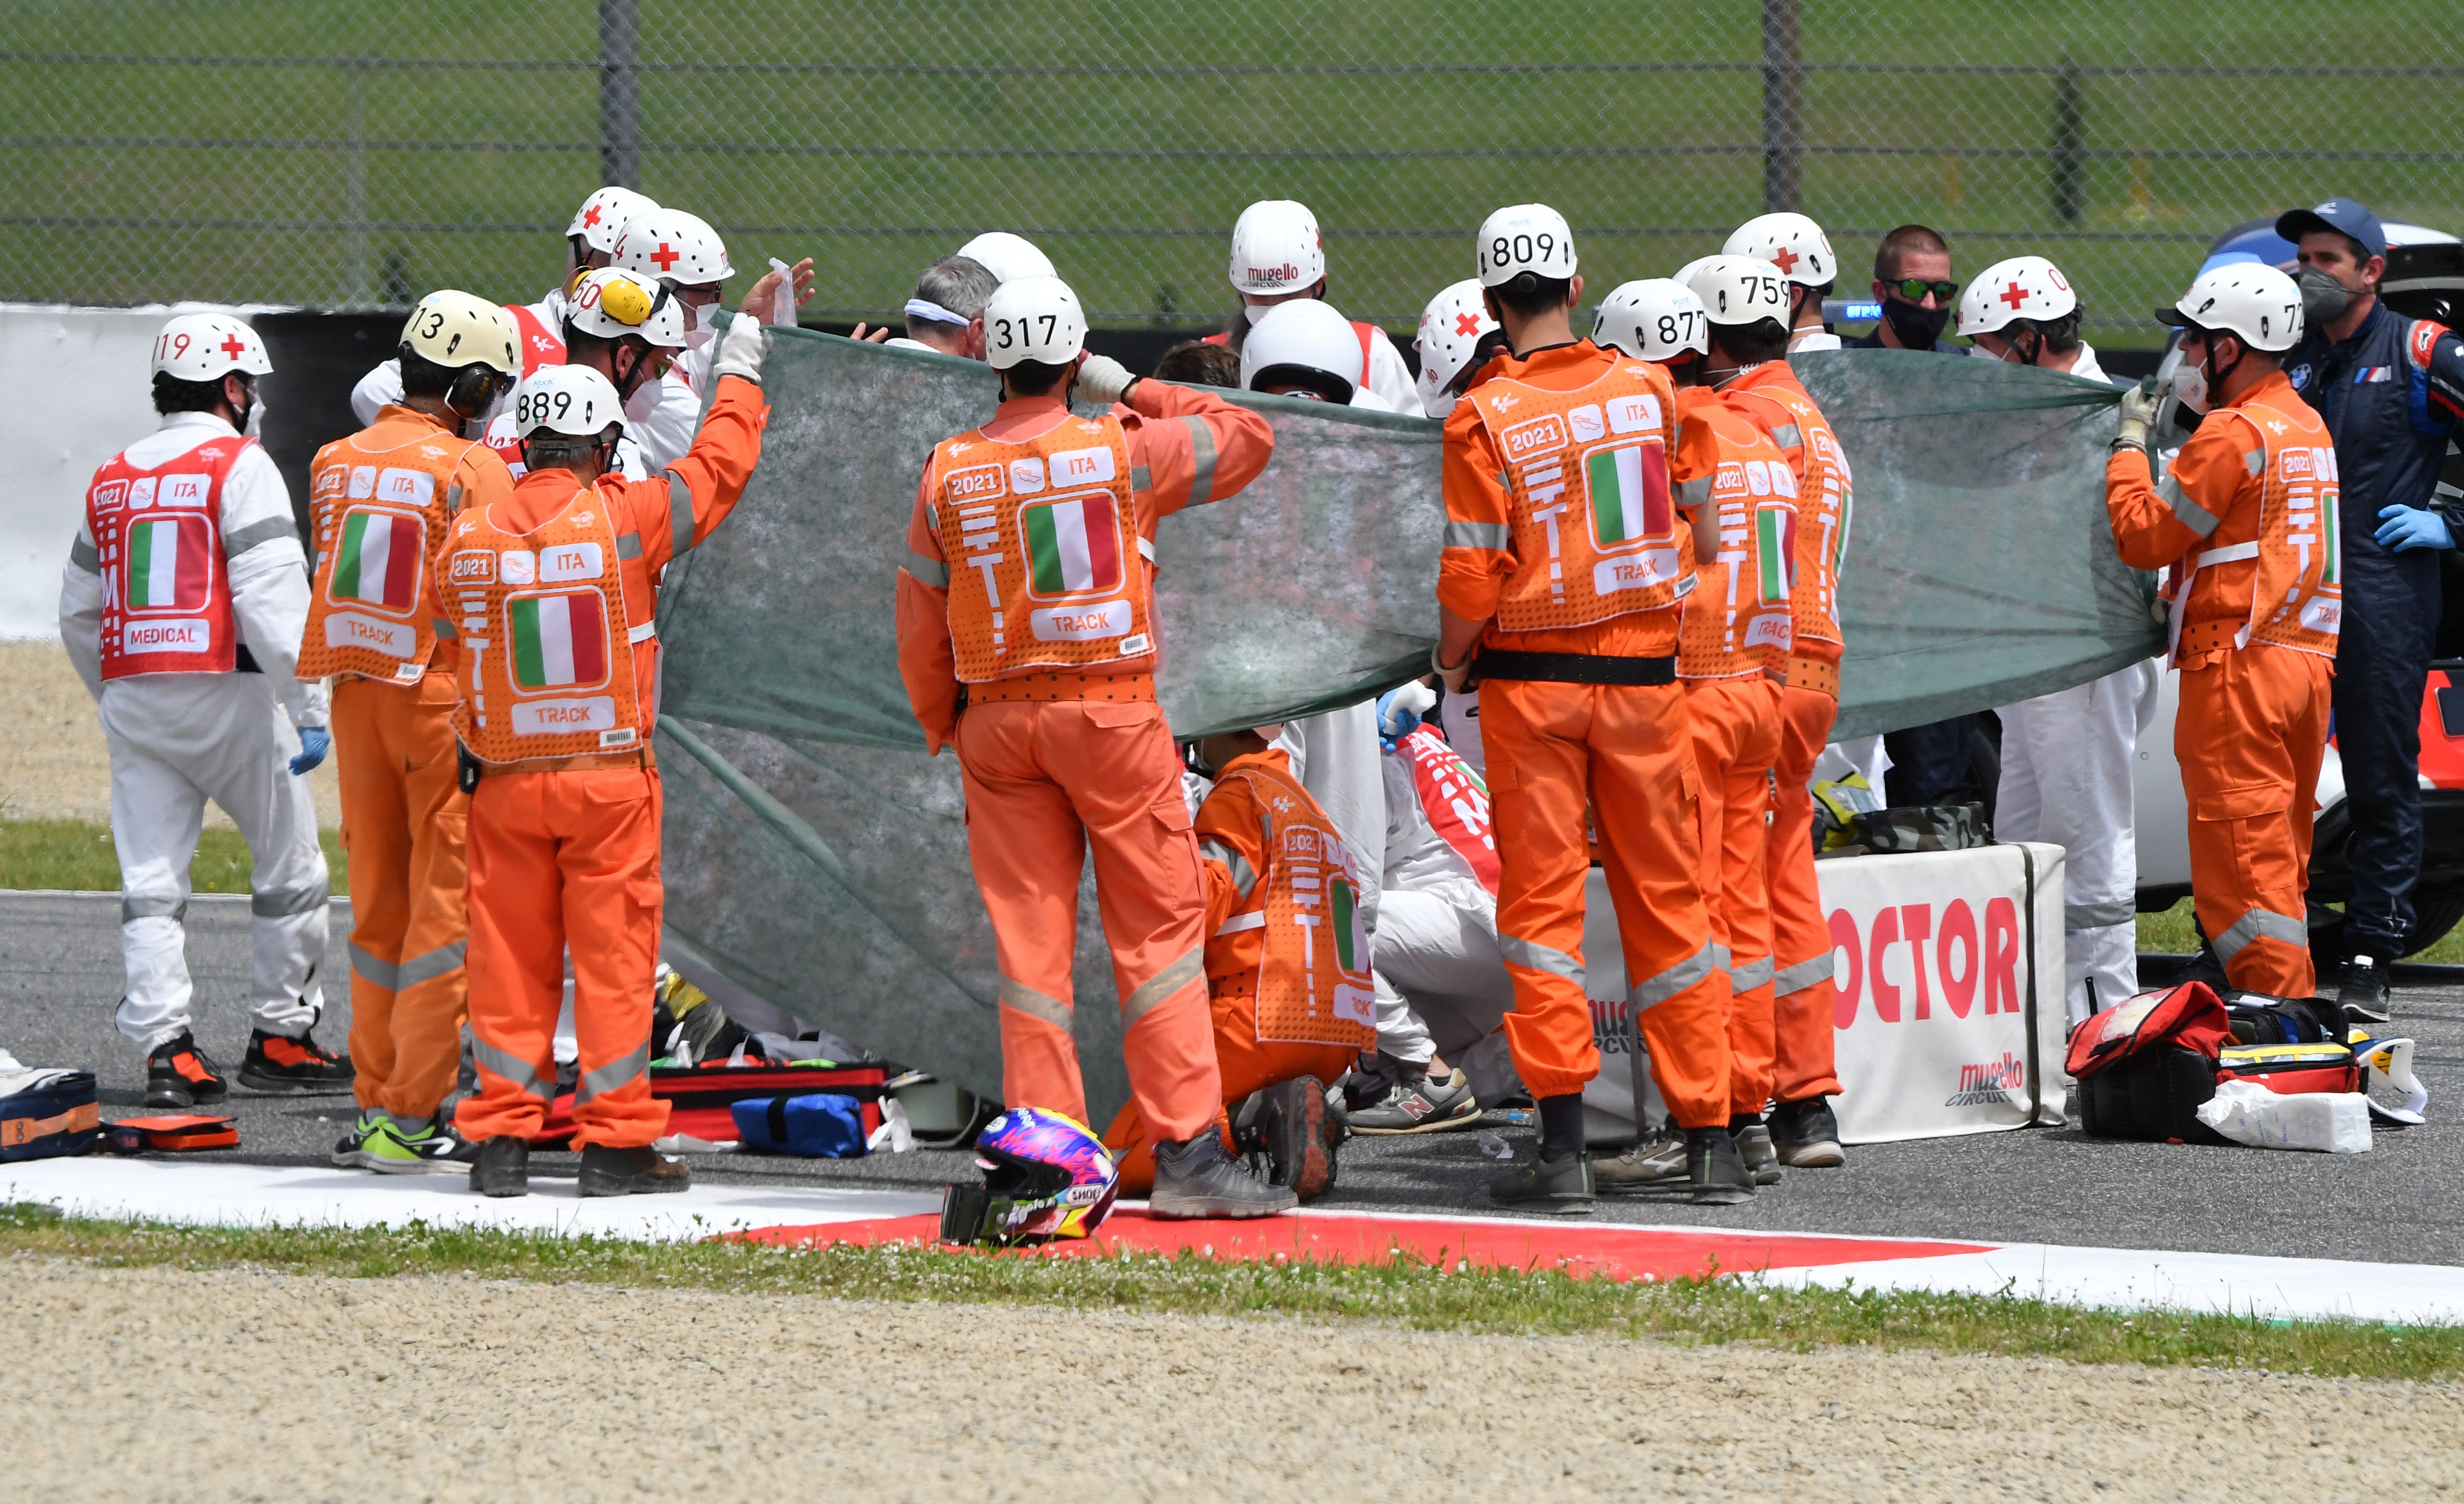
<point x="1456" y="677"/>
<point x="1101" y="378"/>
<point x="741" y="350"/>
<point x="2138" y="415"/>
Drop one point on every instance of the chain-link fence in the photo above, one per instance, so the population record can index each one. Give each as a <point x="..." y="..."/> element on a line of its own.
<point x="357" y="152"/>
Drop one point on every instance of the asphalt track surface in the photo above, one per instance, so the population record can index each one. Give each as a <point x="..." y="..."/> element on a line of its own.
<point x="2403" y="1201"/>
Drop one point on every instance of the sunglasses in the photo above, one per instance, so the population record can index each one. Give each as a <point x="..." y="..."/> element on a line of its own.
<point x="1915" y="288"/>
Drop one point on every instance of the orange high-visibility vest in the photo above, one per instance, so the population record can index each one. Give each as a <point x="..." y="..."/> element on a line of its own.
<point x="1042" y="539"/>
<point x="158" y="540"/>
<point x="2297" y="594"/>
<point x="1312" y="980"/>
<point x="378" y="511"/>
<point x="548" y="620"/>
<point x="1737" y="621"/>
<point x="1825" y="493"/>
<point x="1595" y="532"/>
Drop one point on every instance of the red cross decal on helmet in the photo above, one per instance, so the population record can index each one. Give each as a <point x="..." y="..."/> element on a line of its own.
<point x="1466" y="324"/>
<point x="231" y="346"/>
<point x="590" y="216"/>
<point x="1785" y="259"/>
<point x="665" y="258"/>
<point x="2014" y="296"/>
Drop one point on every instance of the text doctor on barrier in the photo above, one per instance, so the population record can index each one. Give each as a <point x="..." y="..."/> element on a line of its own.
<point x="2392" y="391"/>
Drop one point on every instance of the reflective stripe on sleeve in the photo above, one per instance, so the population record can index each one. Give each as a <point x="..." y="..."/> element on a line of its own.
<point x="84" y="556"/>
<point x="2187" y="512"/>
<point x="629" y="545"/>
<point x="1788" y="436"/>
<point x="928" y="570"/>
<point x="239" y="540"/>
<point x="1201" y="460"/>
<point x="1479" y="535"/>
<point x="1694" y="492"/>
<point x="680" y="513"/>
<point x="1255" y="919"/>
<point x="1245" y="877"/>
<point x="638" y="635"/>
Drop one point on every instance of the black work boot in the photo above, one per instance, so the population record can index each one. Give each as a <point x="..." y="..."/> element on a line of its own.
<point x="1199" y="1178"/>
<point x="1559" y="1187"/>
<point x="2365" y="989"/>
<point x="640" y="1171"/>
<point x="1806" y="1136"/>
<point x="179" y="1074"/>
<point x="503" y="1168"/>
<point x="1755" y="1146"/>
<point x="1288" y="1123"/>
<point x="1714" y="1171"/>
<point x="299" y="1067"/>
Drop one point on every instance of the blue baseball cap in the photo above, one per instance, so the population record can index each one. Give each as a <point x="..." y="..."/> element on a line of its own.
<point x="2341" y="215"/>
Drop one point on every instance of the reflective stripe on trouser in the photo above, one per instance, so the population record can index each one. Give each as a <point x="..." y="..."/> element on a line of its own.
<point x="1627" y="748"/>
<point x="2252" y="730"/>
<point x="560" y="858"/>
<point x="1735" y="730"/>
<point x="1244" y="1063"/>
<point x="404" y="816"/>
<point x="177" y="740"/>
<point x="1801" y="1027"/>
<point x="2066" y="780"/>
<point x="1046" y="780"/>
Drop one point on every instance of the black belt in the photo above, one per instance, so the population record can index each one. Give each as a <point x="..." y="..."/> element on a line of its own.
<point x="243" y="661"/>
<point x="1574" y="668"/>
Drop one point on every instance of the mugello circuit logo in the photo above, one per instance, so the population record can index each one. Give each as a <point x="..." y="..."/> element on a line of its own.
<point x="1287" y="273"/>
<point x="1989" y="1084"/>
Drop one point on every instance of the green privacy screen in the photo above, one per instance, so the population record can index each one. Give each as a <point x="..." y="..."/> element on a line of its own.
<point x="817" y="856"/>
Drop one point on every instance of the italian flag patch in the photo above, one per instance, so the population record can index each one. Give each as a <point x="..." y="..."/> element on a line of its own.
<point x="559" y="641"/>
<point x="1072" y="545"/>
<point x="379" y="561"/>
<point x="1629" y="490"/>
<point x="1774" y="543"/>
<point x="1346" y="910"/>
<point x="2331" y="572"/>
<point x="167" y="564"/>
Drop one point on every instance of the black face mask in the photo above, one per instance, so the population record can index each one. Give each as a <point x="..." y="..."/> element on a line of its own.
<point x="1918" y="327"/>
<point x="2322" y="296"/>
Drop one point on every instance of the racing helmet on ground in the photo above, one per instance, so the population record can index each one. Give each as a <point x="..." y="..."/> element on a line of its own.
<point x="1046" y="1176"/>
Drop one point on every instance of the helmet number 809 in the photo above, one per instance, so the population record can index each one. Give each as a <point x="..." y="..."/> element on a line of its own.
<point x="1518" y="250"/>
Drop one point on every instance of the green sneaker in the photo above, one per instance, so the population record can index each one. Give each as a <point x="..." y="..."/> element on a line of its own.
<point x="432" y="1149"/>
<point x="350" y="1151"/>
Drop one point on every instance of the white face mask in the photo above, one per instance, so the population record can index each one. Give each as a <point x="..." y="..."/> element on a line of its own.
<point x="2190" y="385"/>
<point x="637" y="407"/>
<point x="1983" y="354"/>
<point x="1253" y="312"/>
<point x="255" y="427"/>
<point x="1813" y="342"/>
<point x="698" y="330"/>
<point x="1439" y="405"/>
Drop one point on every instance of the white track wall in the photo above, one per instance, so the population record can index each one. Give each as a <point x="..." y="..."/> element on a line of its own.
<point x="75" y="391"/>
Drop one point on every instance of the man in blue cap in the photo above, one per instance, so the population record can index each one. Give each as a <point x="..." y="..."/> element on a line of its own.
<point x="2391" y="392"/>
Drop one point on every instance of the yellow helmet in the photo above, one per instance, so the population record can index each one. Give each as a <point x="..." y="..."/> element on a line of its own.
<point x="455" y="329"/>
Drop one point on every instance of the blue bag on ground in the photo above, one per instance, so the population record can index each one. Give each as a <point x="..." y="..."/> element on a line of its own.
<point x="47" y="1114"/>
<point x="822" y="1126"/>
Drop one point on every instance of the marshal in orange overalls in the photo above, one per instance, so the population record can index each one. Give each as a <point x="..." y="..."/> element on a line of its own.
<point x="1770" y="395"/>
<point x="554" y="600"/>
<point x="1561" y="534"/>
<point x="1287" y="952"/>
<point x="1731" y="656"/>
<point x="381" y="499"/>
<point x="1027" y="597"/>
<point x="2246" y="521"/>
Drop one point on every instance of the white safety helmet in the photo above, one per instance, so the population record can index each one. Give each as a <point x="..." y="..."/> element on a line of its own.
<point x="613" y="302"/>
<point x="1790" y="242"/>
<point x="1740" y="290"/>
<point x="1008" y="257"/>
<point x="205" y="347"/>
<point x="604" y="216"/>
<point x="1276" y="248"/>
<point x="1450" y="331"/>
<point x="1658" y="318"/>
<point x="2023" y="287"/>
<point x="1034" y="318"/>
<point x="452" y="329"/>
<point x="1525" y="237"/>
<point x="2257" y="304"/>
<point x="1685" y="273"/>
<point x="668" y="245"/>
<point x="1304" y="343"/>
<point x="571" y="399"/>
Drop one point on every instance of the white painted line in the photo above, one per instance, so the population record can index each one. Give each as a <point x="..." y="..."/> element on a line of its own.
<point x="270" y="1195"/>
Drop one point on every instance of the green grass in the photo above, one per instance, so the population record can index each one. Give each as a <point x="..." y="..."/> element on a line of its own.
<point x="1423" y="1296"/>
<point x="77" y="855"/>
<point x="875" y="170"/>
<point x="2171" y="932"/>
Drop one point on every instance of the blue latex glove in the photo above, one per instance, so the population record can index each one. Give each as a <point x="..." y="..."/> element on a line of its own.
<point x="1399" y="713"/>
<point x="2402" y="528"/>
<point x="315" y="742"/>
